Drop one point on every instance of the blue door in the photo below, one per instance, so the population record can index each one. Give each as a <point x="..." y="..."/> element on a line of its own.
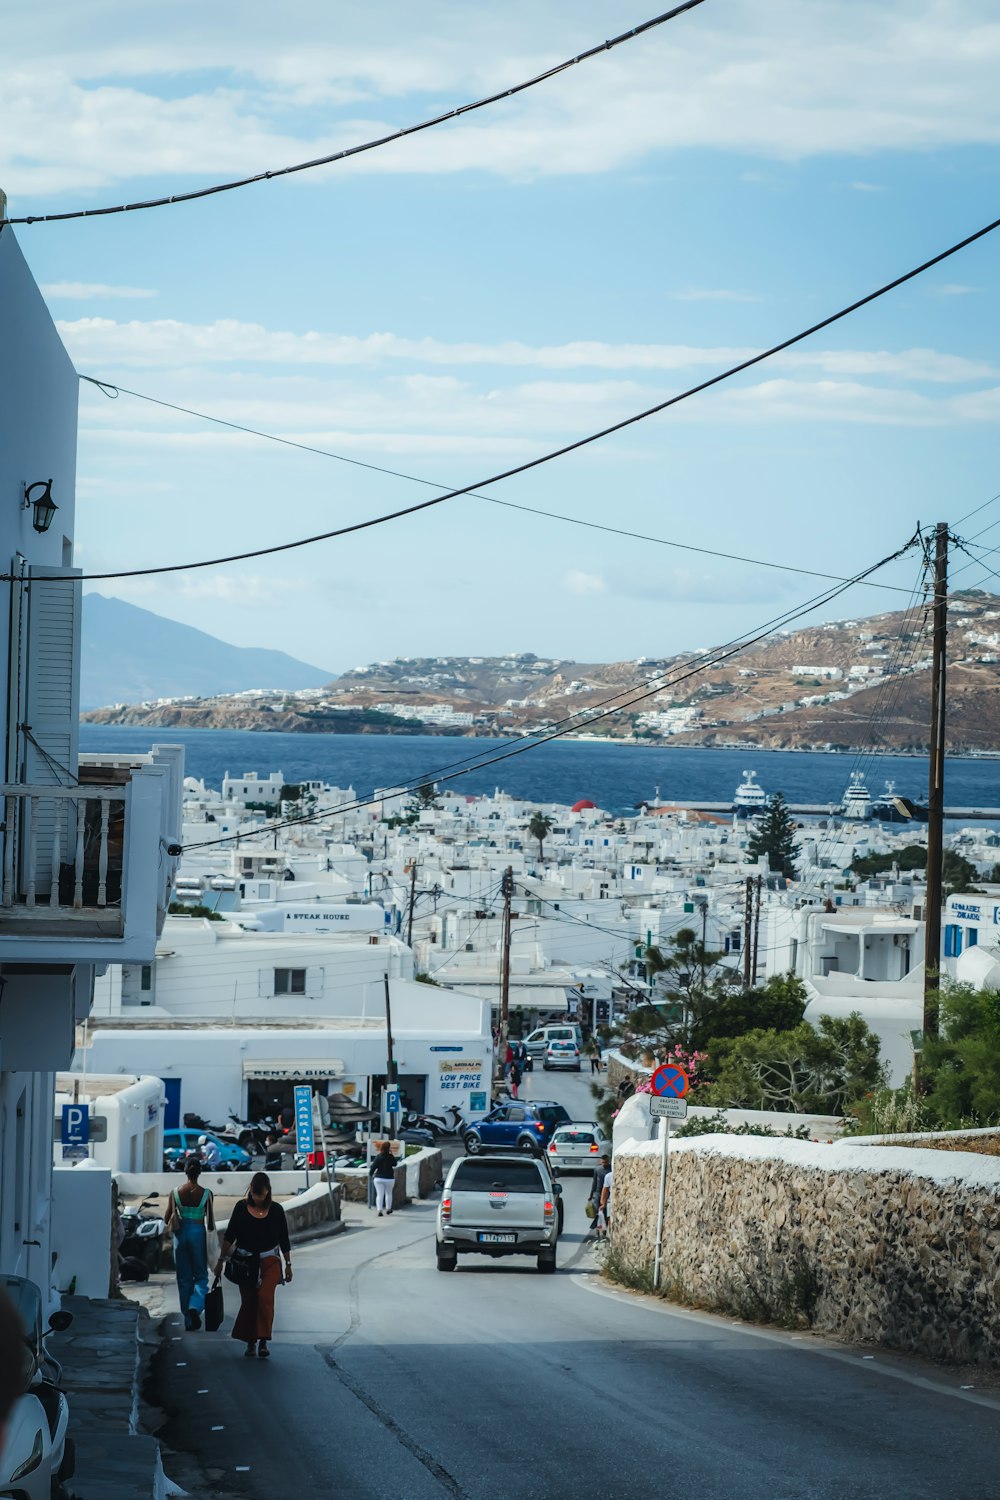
<point x="172" y="1112"/>
<point x="491" y="1129"/>
<point x="513" y="1125"/>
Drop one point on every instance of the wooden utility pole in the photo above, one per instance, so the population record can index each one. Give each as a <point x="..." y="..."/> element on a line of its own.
<point x="935" y="789"/>
<point x="747" y="920"/>
<point x="390" y="1063"/>
<point x="413" y="902"/>
<point x="507" y="888"/>
<point x="756" y="930"/>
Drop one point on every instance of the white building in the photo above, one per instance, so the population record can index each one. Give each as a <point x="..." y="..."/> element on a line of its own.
<point x="86" y="848"/>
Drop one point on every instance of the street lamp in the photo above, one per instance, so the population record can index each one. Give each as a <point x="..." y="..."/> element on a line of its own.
<point x="44" y="507"/>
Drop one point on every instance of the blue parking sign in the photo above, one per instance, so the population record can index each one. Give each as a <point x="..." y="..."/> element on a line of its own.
<point x="304" y="1119"/>
<point x="75" y="1124"/>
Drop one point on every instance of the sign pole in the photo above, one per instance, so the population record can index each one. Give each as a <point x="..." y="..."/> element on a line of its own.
<point x="664" y="1169"/>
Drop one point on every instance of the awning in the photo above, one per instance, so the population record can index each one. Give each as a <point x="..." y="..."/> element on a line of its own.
<point x="520" y="997"/>
<point x="293" y="1070"/>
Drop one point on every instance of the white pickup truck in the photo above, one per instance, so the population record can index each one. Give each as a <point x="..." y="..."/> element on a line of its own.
<point x="499" y="1205"/>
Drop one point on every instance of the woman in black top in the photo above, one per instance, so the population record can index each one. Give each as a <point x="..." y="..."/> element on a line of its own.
<point x="258" y="1226"/>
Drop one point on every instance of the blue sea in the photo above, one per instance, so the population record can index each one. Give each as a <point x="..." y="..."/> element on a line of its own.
<point x="615" y="776"/>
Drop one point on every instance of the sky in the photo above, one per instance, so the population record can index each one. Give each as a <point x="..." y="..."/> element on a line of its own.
<point x="483" y="292"/>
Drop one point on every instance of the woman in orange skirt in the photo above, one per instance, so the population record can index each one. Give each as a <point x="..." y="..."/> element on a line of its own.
<point x="258" y="1233"/>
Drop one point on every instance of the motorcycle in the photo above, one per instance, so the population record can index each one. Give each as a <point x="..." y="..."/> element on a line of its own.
<point x="142" y="1235"/>
<point x="37" y="1456"/>
<point x="451" y="1123"/>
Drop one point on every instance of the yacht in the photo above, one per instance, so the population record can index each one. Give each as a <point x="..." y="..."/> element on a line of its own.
<point x="890" y="807"/>
<point x="750" y="798"/>
<point x="857" y="800"/>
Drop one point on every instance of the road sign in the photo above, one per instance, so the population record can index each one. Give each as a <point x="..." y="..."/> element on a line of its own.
<point x="391" y="1103"/>
<point x="662" y="1107"/>
<point x="75" y="1125"/>
<point x="304" y="1137"/>
<point x="670" y="1080"/>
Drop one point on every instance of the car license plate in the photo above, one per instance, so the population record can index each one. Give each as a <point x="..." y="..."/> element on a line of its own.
<point x="497" y="1239"/>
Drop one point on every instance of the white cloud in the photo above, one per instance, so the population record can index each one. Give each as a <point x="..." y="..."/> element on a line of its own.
<point x="102" y="343"/>
<point x="86" y="107"/>
<point x="86" y="291"/>
<point x="867" y="187"/>
<point x="951" y="289"/>
<point x="585" y="584"/>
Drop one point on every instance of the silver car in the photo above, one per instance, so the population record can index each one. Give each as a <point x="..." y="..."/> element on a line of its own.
<point x="562" y="1055"/>
<point x="499" y="1205"/>
<point x="580" y="1144"/>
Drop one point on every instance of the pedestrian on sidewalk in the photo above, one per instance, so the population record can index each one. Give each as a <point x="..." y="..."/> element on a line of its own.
<point x="515" y="1078"/>
<point x="191" y="1212"/>
<point x="257" y="1234"/>
<point x="601" y="1172"/>
<point x="383" y="1175"/>
<point x="592" y="1047"/>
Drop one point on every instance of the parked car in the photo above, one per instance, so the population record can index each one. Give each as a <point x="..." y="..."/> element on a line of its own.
<point x="178" y="1144"/>
<point x="564" y="1031"/>
<point x="580" y="1144"/>
<point x="562" y="1055"/>
<point x="499" y="1205"/>
<point x="516" y="1126"/>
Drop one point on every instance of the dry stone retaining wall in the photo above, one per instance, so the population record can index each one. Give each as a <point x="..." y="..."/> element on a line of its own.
<point x="885" y="1245"/>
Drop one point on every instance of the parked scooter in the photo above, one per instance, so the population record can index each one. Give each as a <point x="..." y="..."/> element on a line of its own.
<point x="37" y="1456"/>
<point x="450" y="1123"/>
<point x="142" y="1237"/>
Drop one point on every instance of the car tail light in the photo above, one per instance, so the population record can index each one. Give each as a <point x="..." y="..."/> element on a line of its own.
<point x="446" y="1210"/>
<point x="549" y="1208"/>
<point x="593" y="1148"/>
<point x="553" y="1147"/>
<point x="539" y="1124"/>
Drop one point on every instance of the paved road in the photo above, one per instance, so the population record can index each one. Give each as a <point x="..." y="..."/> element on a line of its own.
<point x="495" y="1383"/>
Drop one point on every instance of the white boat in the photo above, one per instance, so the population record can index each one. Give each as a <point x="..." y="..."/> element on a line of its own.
<point x="857" y="800"/>
<point x="750" y="798"/>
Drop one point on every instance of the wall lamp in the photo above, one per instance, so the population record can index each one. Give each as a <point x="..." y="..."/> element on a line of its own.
<point x="44" y="507"/>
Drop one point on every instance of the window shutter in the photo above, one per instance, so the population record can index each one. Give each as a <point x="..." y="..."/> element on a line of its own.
<point x="314" y="983"/>
<point x="52" y="708"/>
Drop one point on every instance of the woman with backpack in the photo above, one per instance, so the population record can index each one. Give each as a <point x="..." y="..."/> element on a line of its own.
<point x="191" y="1212"/>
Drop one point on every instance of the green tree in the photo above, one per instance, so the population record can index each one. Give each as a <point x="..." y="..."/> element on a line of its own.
<point x="960" y="1068"/>
<point x="912" y="857"/>
<point x="807" y="1070"/>
<point x="775" y="837"/>
<point x="539" y="828"/>
<point x="778" y="1005"/>
<point x="957" y="874"/>
<point x="424" y="799"/>
<point x="684" y="987"/>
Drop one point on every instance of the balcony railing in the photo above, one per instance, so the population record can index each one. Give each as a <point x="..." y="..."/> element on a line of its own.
<point x="63" y="853"/>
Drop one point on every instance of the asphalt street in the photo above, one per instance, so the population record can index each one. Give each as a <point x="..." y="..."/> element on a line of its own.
<point x="495" y="1383"/>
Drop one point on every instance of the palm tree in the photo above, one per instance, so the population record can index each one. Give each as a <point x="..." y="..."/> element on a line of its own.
<point x="539" y="828"/>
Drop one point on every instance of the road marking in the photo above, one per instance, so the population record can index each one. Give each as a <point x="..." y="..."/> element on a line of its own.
<point x="774" y="1336"/>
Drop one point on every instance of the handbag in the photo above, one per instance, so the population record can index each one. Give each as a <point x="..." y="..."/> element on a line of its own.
<point x="214" y="1310"/>
<point x="590" y="1209"/>
<point x="243" y="1268"/>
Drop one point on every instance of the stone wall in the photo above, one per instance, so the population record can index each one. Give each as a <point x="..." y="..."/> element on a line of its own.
<point x="881" y="1245"/>
<point x="416" y="1177"/>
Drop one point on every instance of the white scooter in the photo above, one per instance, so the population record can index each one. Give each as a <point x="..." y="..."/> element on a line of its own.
<point x="37" y="1456"/>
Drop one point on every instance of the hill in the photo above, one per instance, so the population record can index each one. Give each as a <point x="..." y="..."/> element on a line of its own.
<point x="131" y="655"/>
<point x="848" y="684"/>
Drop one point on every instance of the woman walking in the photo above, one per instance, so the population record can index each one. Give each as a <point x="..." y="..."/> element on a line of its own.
<point x="383" y="1173"/>
<point x="258" y="1236"/>
<point x="191" y="1212"/>
<point x="515" y="1078"/>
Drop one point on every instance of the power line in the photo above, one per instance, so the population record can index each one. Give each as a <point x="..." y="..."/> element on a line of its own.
<point x="372" y="145"/>
<point x="710" y="659"/>
<point x="554" y="453"/>
<point x="107" y="387"/>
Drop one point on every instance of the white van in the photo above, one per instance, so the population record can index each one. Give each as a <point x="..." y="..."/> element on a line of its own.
<point x="557" y="1031"/>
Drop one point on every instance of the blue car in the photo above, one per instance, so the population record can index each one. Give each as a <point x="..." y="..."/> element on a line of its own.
<point x="516" y="1126"/>
<point x="179" y="1144"/>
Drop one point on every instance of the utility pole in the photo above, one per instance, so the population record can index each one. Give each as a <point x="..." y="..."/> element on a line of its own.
<point x="756" y="930"/>
<point x="413" y="899"/>
<point x="935" y="789"/>
<point x="507" y="888"/>
<point x="390" y="1063"/>
<point x="747" y="924"/>
<point x="704" y="928"/>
